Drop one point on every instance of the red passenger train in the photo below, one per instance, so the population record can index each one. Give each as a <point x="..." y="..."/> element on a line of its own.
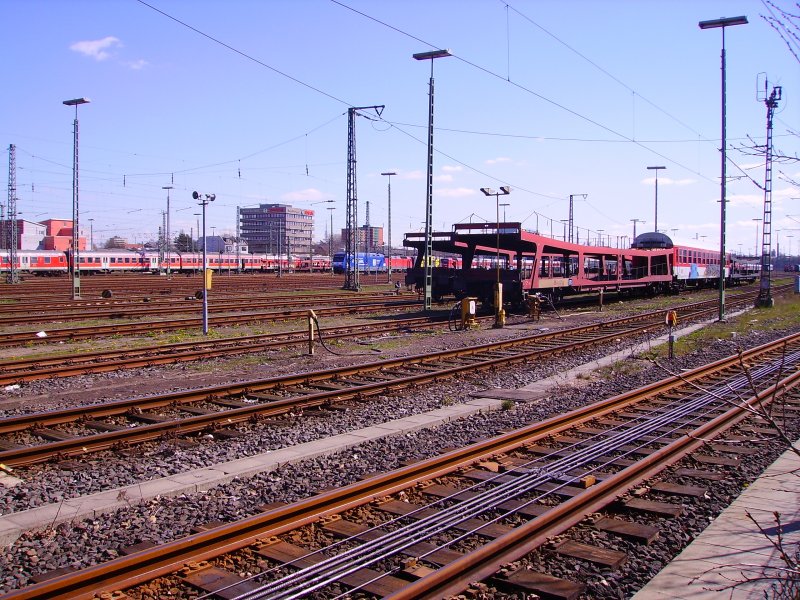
<point x="51" y="262"/>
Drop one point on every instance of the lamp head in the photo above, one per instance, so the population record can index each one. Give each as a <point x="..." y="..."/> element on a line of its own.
<point x="488" y="191"/>
<point x="726" y="22"/>
<point x="195" y="195"/>
<point x="504" y="189"/>
<point x="432" y="54"/>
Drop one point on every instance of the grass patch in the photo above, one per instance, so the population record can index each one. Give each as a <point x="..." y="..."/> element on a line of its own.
<point x="618" y="368"/>
<point x="783" y="316"/>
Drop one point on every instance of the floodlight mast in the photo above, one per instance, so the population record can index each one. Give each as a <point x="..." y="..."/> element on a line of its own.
<point x="389" y="174"/>
<point x="713" y="24"/>
<point x="656" y="169"/>
<point x="427" y="256"/>
<point x="76" y="238"/>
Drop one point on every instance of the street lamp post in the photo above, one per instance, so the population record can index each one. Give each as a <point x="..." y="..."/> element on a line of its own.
<point x="311" y="237"/>
<point x="504" y="204"/>
<point x="197" y="222"/>
<point x="204" y="199"/>
<point x="635" y="221"/>
<point x="755" y="248"/>
<point x="169" y="240"/>
<point x="428" y="255"/>
<point x="389" y="236"/>
<point x="655" y="226"/>
<point x="330" y="237"/>
<point x="722" y="24"/>
<point x="500" y="314"/>
<point x="91" y="234"/>
<point x="76" y="270"/>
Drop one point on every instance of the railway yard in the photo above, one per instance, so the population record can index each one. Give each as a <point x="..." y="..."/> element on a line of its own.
<point x="564" y="456"/>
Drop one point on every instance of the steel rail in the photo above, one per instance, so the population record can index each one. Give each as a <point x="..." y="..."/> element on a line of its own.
<point x="31" y="369"/>
<point x="73" y="333"/>
<point x="183" y="307"/>
<point x="128" y="571"/>
<point x="486" y="560"/>
<point x="42" y="367"/>
<point x="163" y="302"/>
<point x="331" y="569"/>
<point x="80" y="445"/>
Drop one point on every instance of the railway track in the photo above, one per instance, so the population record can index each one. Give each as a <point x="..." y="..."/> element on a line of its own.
<point x="39" y="437"/>
<point x="25" y="370"/>
<point x="123" y="285"/>
<point x="43" y="367"/>
<point x="77" y="333"/>
<point x="218" y="306"/>
<point x="431" y="528"/>
<point x="30" y="306"/>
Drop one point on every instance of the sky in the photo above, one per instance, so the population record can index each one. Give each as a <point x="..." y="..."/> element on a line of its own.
<point x="248" y="100"/>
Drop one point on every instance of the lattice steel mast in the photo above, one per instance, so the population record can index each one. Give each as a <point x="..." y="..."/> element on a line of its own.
<point x="351" y="239"/>
<point x="13" y="273"/>
<point x="764" y="294"/>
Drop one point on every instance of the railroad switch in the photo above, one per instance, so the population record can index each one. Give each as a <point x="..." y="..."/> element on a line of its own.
<point x="534" y="303"/>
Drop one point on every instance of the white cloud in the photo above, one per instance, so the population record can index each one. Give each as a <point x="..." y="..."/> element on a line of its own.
<point x="745" y="199"/>
<point x="444" y="178"/>
<point x="97" y="49"/>
<point x="667" y="181"/>
<point x="307" y="195"/>
<point x="413" y="175"/>
<point x="499" y="159"/>
<point x="454" y="192"/>
<point x="136" y="65"/>
<point x="452" y="168"/>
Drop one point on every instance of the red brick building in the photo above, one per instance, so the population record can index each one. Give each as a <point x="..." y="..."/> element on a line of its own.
<point x="59" y="235"/>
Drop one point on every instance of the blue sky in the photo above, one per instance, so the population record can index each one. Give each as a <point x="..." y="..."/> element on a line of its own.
<point x="549" y="97"/>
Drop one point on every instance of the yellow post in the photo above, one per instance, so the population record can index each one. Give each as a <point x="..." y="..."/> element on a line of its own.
<point x="208" y="278"/>
<point x="311" y="320"/>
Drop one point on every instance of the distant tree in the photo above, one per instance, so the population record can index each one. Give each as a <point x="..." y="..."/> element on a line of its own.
<point x="786" y="24"/>
<point x="183" y="243"/>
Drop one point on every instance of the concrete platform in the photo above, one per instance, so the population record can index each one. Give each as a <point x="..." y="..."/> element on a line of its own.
<point x="731" y="552"/>
<point x="197" y="480"/>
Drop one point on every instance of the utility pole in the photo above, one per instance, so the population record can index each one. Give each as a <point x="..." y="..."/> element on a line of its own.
<point x="351" y="201"/>
<point x="13" y="274"/>
<point x="571" y="196"/>
<point x="238" y="257"/>
<point x="764" y="292"/>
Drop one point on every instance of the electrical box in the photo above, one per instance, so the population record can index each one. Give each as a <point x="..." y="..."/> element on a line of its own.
<point x="209" y="276"/>
<point x="469" y="310"/>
